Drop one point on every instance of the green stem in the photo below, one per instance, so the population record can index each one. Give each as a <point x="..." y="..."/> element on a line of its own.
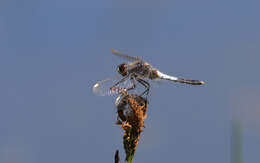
<point x="130" y="144"/>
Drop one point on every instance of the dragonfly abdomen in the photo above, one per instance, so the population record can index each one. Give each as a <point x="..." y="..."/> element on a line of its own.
<point x="192" y="82"/>
<point x="179" y="80"/>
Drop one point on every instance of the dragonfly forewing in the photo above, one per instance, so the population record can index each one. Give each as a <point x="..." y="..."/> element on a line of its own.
<point x="110" y="86"/>
<point x="124" y="56"/>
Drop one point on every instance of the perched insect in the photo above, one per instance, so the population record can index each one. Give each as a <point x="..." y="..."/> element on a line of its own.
<point x="137" y="71"/>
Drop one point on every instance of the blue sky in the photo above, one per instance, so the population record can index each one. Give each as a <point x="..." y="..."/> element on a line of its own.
<point x="52" y="52"/>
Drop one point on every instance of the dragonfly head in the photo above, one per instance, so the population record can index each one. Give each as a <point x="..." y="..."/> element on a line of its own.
<point x="122" y="69"/>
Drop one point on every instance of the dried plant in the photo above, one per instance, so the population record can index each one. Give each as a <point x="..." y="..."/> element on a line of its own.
<point x="131" y="111"/>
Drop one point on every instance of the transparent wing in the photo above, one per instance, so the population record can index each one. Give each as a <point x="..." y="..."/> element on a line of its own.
<point x="108" y="86"/>
<point x="125" y="56"/>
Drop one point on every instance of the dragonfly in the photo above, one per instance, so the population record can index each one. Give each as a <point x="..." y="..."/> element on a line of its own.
<point x="136" y="71"/>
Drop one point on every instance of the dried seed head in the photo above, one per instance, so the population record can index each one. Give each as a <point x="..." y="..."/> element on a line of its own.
<point x="131" y="110"/>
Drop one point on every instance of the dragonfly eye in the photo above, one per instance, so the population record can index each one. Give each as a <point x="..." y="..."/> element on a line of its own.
<point x="122" y="69"/>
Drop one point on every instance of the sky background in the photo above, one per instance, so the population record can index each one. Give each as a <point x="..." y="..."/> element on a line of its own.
<point x="53" y="51"/>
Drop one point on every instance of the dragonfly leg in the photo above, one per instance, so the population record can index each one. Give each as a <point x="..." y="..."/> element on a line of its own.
<point x="146" y="85"/>
<point x="133" y="86"/>
<point x="122" y="80"/>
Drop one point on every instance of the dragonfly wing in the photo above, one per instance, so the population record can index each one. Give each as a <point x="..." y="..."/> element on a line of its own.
<point x="107" y="87"/>
<point x="125" y="56"/>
